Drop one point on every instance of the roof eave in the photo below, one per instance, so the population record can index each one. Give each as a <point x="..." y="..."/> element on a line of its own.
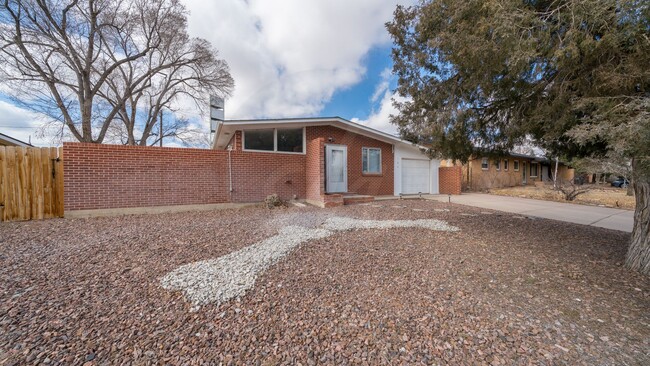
<point x="306" y="122"/>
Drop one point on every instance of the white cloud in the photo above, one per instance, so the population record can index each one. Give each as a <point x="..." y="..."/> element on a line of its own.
<point x="288" y="57"/>
<point x="383" y="97"/>
<point x="20" y="124"/>
<point x="383" y="86"/>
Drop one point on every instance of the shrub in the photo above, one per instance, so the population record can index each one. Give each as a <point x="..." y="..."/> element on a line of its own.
<point x="570" y="190"/>
<point x="273" y="201"/>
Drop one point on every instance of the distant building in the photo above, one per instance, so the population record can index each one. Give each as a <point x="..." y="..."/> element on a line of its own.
<point x="6" y="140"/>
<point x="515" y="169"/>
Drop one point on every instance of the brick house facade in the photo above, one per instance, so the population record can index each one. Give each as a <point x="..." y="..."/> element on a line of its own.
<point x="316" y="160"/>
<point x="483" y="173"/>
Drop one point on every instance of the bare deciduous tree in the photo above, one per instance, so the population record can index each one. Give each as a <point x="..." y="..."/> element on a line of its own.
<point x="96" y="63"/>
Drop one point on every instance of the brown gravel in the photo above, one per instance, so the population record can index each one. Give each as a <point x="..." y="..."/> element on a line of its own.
<point x="504" y="290"/>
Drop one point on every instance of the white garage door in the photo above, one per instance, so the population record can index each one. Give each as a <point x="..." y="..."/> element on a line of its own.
<point x="415" y="176"/>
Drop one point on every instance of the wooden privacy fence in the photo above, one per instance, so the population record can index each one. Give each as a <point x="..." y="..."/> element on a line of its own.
<point x="31" y="183"/>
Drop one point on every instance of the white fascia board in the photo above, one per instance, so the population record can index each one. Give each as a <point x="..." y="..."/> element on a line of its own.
<point x="233" y="125"/>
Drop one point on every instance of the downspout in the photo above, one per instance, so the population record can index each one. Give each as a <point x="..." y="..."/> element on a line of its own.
<point x="230" y="172"/>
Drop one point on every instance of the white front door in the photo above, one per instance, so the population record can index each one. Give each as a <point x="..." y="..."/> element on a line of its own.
<point x="415" y="176"/>
<point x="336" y="168"/>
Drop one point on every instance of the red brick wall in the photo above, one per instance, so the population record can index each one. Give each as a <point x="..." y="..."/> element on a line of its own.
<point x="113" y="176"/>
<point x="258" y="174"/>
<point x="359" y="183"/>
<point x="315" y="169"/>
<point x="449" y="180"/>
<point x="235" y="141"/>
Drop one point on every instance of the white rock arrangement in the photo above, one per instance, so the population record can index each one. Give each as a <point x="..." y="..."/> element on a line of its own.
<point x="221" y="279"/>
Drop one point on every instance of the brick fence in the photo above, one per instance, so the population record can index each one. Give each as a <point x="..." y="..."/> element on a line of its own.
<point x="98" y="176"/>
<point x="449" y="179"/>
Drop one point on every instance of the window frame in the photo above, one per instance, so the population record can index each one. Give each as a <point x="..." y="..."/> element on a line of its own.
<point x="497" y="164"/>
<point x="515" y="165"/>
<point x="506" y="164"/>
<point x="531" y="170"/>
<point x="275" y="140"/>
<point x="486" y="162"/>
<point x="366" y="150"/>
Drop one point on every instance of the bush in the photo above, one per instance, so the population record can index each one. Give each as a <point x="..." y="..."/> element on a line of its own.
<point x="273" y="201"/>
<point x="570" y="190"/>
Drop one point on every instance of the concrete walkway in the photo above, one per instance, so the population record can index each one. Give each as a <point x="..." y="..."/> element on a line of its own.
<point x="609" y="218"/>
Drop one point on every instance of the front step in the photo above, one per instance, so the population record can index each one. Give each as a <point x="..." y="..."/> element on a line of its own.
<point x="356" y="199"/>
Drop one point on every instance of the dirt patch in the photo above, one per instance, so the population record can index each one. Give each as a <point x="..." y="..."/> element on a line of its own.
<point x="598" y="195"/>
<point x="502" y="290"/>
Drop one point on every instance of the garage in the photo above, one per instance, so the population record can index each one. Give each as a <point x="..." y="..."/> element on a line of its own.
<point x="415" y="176"/>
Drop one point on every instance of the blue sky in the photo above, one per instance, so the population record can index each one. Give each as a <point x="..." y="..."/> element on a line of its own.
<point x="356" y="101"/>
<point x="289" y="58"/>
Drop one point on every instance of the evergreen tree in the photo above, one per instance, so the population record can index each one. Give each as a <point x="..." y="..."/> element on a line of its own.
<point x="572" y="74"/>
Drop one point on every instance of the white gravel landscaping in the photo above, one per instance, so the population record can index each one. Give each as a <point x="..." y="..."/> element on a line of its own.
<point x="221" y="279"/>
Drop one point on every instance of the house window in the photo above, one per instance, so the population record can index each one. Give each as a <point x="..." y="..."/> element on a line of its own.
<point x="533" y="169"/>
<point x="371" y="160"/>
<point x="286" y="140"/>
<point x="485" y="164"/>
<point x="259" y="140"/>
<point x="290" y="139"/>
<point x="505" y="165"/>
<point x="497" y="163"/>
<point x="515" y="165"/>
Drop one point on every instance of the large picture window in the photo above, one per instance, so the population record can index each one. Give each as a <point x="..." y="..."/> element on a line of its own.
<point x="533" y="169"/>
<point x="371" y="160"/>
<point x="259" y="140"/>
<point x="290" y="140"/>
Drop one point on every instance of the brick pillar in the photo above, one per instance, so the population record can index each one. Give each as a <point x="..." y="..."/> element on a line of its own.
<point x="315" y="170"/>
<point x="450" y="179"/>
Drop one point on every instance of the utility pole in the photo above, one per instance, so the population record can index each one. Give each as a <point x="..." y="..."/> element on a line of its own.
<point x="161" y="130"/>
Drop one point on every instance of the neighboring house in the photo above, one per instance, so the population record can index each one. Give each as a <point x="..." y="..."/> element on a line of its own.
<point x="515" y="169"/>
<point x="6" y="140"/>
<point x="339" y="157"/>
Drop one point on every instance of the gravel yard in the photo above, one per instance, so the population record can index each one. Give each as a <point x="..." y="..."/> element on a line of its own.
<point x="503" y="289"/>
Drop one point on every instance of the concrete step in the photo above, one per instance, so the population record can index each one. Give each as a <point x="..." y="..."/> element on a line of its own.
<point x="356" y="199"/>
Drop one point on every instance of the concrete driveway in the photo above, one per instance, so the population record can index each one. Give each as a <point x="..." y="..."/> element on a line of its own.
<point x="609" y="218"/>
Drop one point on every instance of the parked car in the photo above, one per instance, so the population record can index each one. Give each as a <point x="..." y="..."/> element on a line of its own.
<point x="621" y="182"/>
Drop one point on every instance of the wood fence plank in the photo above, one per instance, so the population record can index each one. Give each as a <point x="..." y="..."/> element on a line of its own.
<point x="3" y="178"/>
<point x="25" y="186"/>
<point x="47" y="183"/>
<point x="36" y="184"/>
<point x="38" y="173"/>
<point x="31" y="183"/>
<point x="59" y="183"/>
<point x="13" y="199"/>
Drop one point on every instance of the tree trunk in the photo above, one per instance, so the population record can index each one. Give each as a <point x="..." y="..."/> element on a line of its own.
<point x="86" y="119"/>
<point x="557" y="162"/>
<point x="638" y="254"/>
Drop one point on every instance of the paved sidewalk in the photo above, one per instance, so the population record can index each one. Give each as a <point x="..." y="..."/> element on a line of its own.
<point x="609" y="218"/>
